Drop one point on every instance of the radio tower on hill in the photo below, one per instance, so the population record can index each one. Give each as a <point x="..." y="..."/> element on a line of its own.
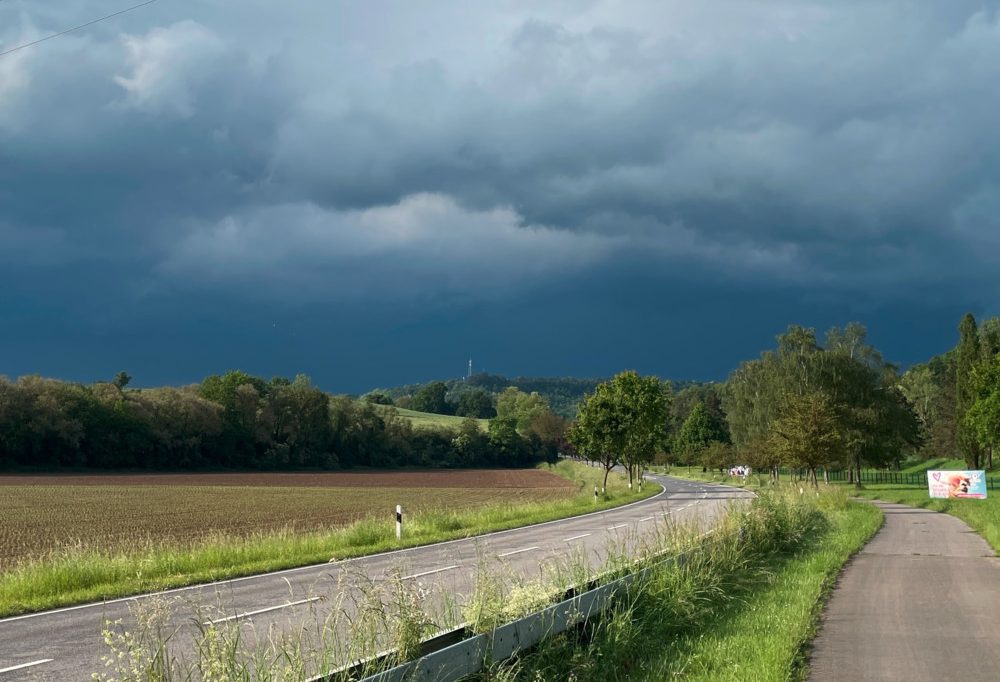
<point x="470" y="370"/>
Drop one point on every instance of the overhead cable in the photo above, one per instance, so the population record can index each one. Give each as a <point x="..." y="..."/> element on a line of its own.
<point x="76" y="28"/>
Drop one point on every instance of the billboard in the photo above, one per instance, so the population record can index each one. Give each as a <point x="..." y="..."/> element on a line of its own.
<point x="967" y="483"/>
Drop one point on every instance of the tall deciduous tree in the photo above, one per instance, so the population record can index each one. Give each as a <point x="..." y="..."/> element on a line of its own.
<point x="808" y="433"/>
<point x="625" y="420"/>
<point x="522" y="407"/>
<point x="968" y="355"/>
<point x="431" y="398"/>
<point x="874" y="419"/>
<point x="476" y="403"/>
<point x="983" y="417"/>
<point x="683" y="402"/>
<point x="697" y="431"/>
<point x="930" y="388"/>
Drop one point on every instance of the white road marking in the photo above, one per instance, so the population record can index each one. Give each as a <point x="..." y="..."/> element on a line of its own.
<point x="517" y="551"/>
<point x="25" y="665"/>
<point x="648" y="518"/>
<point x="620" y="525"/>
<point x="324" y="565"/>
<point x="436" y="570"/>
<point x="258" y="611"/>
<point x="576" y="537"/>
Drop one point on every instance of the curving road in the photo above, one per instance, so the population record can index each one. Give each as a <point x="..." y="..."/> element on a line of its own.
<point x="66" y="644"/>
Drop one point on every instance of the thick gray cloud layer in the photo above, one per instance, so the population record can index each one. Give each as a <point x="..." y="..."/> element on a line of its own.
<point x="386" y="153"/>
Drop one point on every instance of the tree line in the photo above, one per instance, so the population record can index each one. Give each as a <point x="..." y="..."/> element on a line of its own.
<point x="239" y="421"/>
<point x="476" y="396"/>
<point x="809" y="404"/>
<point x="805" y="404"/>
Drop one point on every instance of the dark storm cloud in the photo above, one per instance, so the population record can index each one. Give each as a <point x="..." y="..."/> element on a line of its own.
<point x="388" y="151"/>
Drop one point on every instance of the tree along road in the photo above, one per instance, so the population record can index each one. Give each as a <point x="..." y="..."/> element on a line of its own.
<point x="67" y="644"/>
<point x="919" y="602"/>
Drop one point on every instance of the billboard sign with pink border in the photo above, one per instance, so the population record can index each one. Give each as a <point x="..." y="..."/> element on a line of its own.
<point x="945" y="484"/>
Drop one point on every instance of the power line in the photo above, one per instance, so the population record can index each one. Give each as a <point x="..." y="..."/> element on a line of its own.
<point x="76" y="28"/>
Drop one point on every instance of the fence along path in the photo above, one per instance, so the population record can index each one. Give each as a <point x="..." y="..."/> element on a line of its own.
<point x="900" y="477"/>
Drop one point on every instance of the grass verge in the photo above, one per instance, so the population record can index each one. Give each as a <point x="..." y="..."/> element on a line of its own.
<point x="745" y="608"/>
<point x="86" y="573"/>
<point x="982" y="515"/>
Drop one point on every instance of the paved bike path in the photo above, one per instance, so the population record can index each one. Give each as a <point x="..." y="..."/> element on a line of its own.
<point x="921" y="601"/>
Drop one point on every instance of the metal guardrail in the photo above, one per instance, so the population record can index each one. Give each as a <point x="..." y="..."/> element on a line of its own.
<point x="455" y="654"/>
<point x="454" y="660"/>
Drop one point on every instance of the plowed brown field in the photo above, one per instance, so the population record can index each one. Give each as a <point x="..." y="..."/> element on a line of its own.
<point x="436" y="478"/>
<point x="42" y="513"/>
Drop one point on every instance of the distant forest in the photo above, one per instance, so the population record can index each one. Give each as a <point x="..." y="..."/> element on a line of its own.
<point x="237" y="421"/>
<point x="877" y="416"/>
<point x="563" y="394"/>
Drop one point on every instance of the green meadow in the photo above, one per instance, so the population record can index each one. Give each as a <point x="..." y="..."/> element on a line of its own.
<point x="431" y="420"/>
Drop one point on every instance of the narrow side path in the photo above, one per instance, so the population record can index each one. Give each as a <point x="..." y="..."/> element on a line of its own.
<point x="921" y="601"/>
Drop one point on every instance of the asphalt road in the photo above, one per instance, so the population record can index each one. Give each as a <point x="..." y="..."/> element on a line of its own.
<point x="919" y="602"/>
<point x="66" y="644"/>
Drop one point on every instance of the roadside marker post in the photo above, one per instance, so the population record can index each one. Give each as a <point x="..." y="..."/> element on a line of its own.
<point x="595" y="494"/>
<point x="399" y="521"/>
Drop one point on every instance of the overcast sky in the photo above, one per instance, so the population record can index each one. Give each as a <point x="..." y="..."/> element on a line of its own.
<point x="369" y="192"/>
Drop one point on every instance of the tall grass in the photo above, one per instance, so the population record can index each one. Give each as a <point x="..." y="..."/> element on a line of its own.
<point x="744" y="608"/>
<point x="740" y="607"/>
<point x="85" y="573"/>
<point x="982" y="515"/>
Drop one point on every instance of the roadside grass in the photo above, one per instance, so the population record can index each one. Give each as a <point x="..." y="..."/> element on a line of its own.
<point x="744" y="608"/>
<point x="88" y="572"/>
<point x="982" y="515"/>
<point x="431" y="420"/>
<point x="741" y="605"/>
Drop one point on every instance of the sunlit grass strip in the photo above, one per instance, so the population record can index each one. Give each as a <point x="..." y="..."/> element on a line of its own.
<point x="84" y="574"/>
<point x="744" y="609"/>
<point x="982" y="515"/>
<point x="424" y="420"/>
<point x="765" y="635"/>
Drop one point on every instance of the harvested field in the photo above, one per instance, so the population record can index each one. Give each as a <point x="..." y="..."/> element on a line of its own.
<point x="434" y="478"/>
<point x="39" y="514"/>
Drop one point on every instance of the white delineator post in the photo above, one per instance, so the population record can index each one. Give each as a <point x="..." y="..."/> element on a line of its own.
<point x="399" y="521"/>
<point x="595" y="494"/>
